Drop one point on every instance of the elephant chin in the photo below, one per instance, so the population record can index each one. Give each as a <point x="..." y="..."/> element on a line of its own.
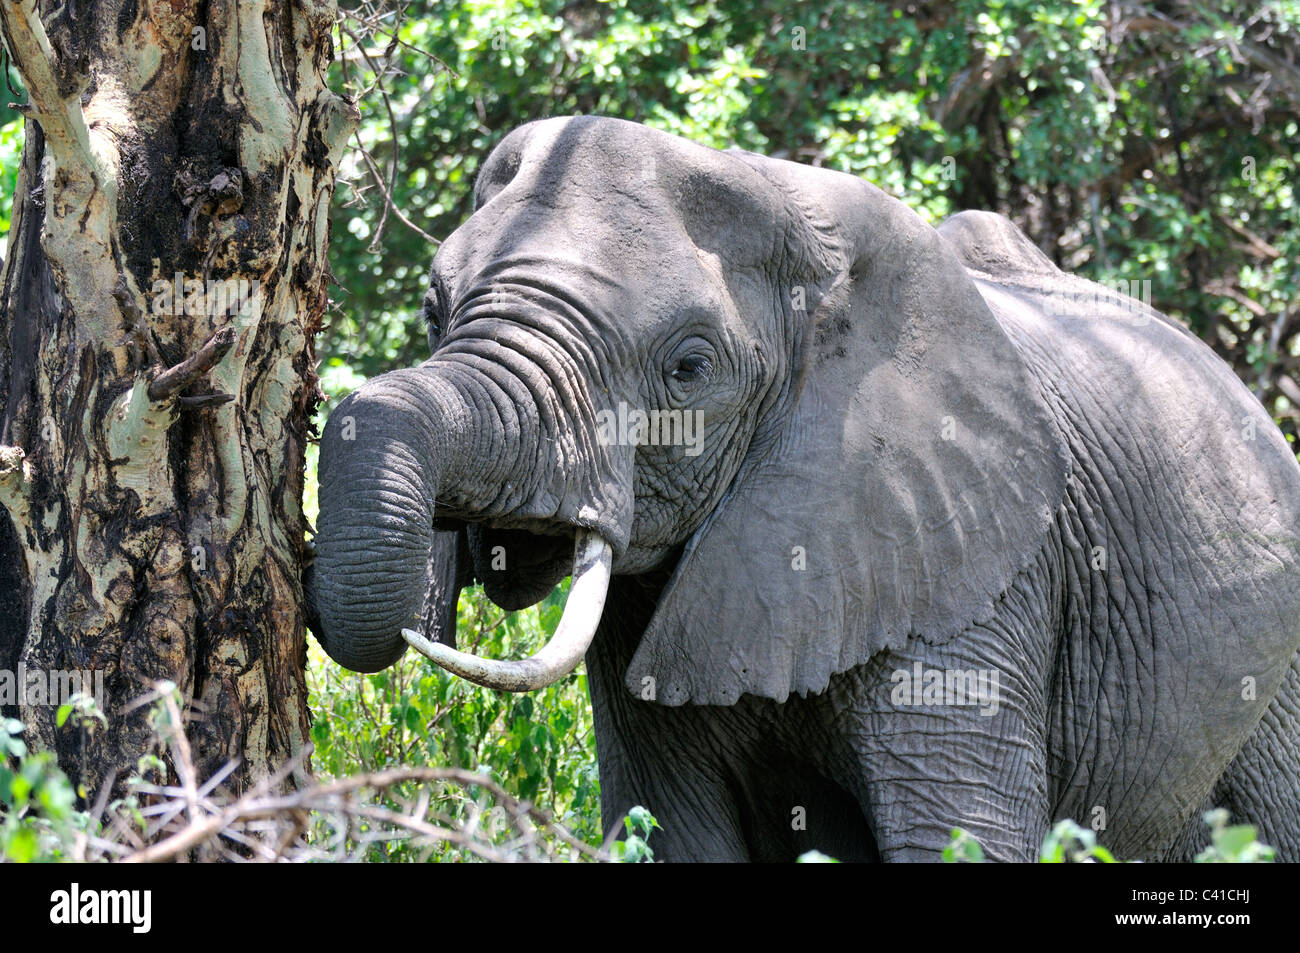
<point x="592" y="559"/>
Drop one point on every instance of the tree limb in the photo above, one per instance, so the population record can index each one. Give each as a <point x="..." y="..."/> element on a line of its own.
<point x="175" y="379"/>
<point x="59" y="114"/>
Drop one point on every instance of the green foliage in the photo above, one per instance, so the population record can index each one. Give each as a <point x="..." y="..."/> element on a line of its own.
<point x="1238" y="844"/>
<point x="963" y="849"/>
<point x="38" y="822"/>
<point x="634" y="848"/>
<point x="1127" y="151"/>
<point x="539" y="746"/>
<point x="463" y="818"/>
<point x="82" y="706"/>
<point x="11" y="149"/>
<point x="1070" y="843"/>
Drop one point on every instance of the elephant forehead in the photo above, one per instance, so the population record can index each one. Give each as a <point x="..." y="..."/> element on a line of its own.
<point x="567" y="150"/>
<point x="639" y="180"/>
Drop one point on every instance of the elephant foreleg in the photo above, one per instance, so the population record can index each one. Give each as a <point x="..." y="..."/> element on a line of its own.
<point x="654" y="757"/>
<point x="698" y="817"/>
<point x="933" y="759"/>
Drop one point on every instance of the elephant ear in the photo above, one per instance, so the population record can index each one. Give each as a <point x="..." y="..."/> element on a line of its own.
<point x="908" y="476"/>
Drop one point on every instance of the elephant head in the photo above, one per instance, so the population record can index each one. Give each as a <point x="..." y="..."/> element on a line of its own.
<point x="810" y="339"/>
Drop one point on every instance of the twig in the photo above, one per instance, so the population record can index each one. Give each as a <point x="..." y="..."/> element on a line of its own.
<point x="177" y="378"/>
<point x="338" y="799"/>
<point x="386" y="188"/>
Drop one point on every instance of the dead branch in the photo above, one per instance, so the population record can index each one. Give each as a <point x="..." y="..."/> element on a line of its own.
<point x="534" y="835"/>
<point x="370" y="23"/>
<point x="177" y="378"/>
<point x="335" y="820"/>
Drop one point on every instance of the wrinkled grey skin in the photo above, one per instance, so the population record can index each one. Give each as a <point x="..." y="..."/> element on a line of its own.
<point x="921" y="446"/>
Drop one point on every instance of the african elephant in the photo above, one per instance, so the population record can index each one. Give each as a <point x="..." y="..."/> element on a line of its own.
<point x="938" y="534"/>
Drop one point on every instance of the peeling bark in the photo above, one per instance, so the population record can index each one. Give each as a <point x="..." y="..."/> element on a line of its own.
<point x="151" y="449"/>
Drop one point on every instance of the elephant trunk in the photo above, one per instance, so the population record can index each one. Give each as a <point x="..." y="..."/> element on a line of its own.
<point x="382" y="456"/>
<point x="389" y="449"/>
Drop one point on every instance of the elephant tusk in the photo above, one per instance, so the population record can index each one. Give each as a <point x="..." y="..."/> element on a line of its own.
<point x="592" y="558"/>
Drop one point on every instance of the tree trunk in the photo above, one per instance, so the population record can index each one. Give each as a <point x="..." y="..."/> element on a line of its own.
<point x="165" y="279"/>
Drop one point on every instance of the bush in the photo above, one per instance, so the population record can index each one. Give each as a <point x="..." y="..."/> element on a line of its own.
<point x="1069" y="843"/>
<point x="538" y="746"/>
<point x="409" y="812"/>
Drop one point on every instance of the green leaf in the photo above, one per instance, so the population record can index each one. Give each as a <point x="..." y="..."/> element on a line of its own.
<point x="21" y="846"/>
<point x="815" y="857"/>
<point x="963" y="848"/>
<point x="1233" y="841"/>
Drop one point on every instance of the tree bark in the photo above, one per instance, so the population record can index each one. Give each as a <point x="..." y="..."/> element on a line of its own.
<point x="151" y="443"/>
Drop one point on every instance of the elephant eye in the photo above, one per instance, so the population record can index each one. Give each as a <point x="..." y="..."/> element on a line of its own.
<point x="693" y="367"/>
<point x="434" y="309"/>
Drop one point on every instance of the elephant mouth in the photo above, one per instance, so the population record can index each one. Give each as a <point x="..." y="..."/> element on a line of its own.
<point x="591" y="565"/>
<point x="520" y="567"/>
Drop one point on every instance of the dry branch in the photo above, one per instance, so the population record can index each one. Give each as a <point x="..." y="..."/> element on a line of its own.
<point x="175" y="379"/>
